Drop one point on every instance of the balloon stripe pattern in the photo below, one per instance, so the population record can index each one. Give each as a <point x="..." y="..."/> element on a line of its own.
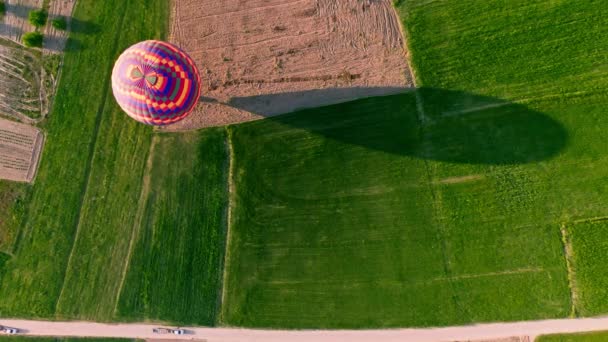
<point x="156" y="83"/>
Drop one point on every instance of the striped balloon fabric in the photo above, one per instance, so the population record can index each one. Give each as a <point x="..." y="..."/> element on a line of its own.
<point x="156" y="83"/>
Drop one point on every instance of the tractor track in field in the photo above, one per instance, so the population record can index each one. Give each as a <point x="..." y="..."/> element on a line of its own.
<point x="231" y="198"/>
<point x="141" y="206"/>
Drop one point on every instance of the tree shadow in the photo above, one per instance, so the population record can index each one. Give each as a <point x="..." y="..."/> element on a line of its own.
<point x="5" y="29"/>
<point x="75" y="25"/>
<point x="455" y="126"/>
<point x="83" y="26"/>
<point x="57" y="44"/>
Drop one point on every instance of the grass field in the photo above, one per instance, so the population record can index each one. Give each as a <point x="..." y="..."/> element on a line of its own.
<point x="92" y="155"/>
<point x="358" y="215"/>
<point x="91" y="210"/>
<point x="589" y="258"/>
<point x="382" y="238"/>
<point x="583" y="337"/>
<point x="175" y="271"/>
<point x="12" y="198"/>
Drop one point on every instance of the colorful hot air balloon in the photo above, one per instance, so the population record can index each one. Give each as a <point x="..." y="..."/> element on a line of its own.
<point x="156" y="83"/>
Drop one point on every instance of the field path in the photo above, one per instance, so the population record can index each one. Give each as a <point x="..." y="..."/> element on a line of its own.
<point x="467" y="333"/>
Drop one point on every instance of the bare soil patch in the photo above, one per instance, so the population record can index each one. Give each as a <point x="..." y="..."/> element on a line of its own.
<point x="20" y="150"/>
<point x="261" y="58"/>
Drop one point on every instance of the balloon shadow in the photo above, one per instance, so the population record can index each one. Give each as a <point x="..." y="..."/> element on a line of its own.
<point x="452" y="126"/>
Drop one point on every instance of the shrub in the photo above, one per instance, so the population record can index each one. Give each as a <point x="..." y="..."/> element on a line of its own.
<point x="2" y="8"/>
<point x="38" y="17"/>
<point x="59" y="23"/>
<point x="33" y="39"/>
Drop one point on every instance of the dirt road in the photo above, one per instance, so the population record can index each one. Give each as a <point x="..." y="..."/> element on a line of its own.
<point x="461" y="333"/>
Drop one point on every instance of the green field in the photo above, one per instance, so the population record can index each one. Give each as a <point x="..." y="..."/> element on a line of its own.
<point x="451" y="204"/>
<point x="101" y="199"/>
<point x="80" y="216"/>
<point x="358" y="216"/>
<point x="175" y="271"/>
<point x="589" y="259"/>
<point x="582" y="337"/>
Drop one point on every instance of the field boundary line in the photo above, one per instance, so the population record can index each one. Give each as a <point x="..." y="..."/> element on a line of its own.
<point x="412" y="74"/>
<point x="454" y="113"/>
<point x="230" y="200"/>
<point x="567" y="248"/>
<point x="591" y="219"/>
<point x="141" y="207"/>
<point x="90" y="159"/>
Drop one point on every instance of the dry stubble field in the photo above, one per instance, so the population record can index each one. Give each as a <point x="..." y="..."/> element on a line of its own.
<point x="261" y="58"/>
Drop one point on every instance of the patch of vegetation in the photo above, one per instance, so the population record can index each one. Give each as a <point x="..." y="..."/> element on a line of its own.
<point x="12" y="211"/>
<point x="74" y="189"/>
<point x="175" y="271"/>
<point x="33" y="39"/>
<point x="60" y="23"/>
<point x="580" y="337"/>
<point x="38" y="18"/>
<point x="590" y="260"/>
<point x="2" y="8"/>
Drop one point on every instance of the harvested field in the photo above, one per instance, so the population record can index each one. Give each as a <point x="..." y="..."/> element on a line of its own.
<point x="266" y="57"/>
<point x="20" y="147"/>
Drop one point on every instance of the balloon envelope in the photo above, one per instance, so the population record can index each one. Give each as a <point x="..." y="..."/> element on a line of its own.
<point x="156" y="83"/>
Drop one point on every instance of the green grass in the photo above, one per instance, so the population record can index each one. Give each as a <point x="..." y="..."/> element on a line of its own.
<point x="589" y="260"/>
<point x="93" y="160"/>
<point x="12" y="202"/>
<point x="580" y="337"/>
<point x="175" y="272"/>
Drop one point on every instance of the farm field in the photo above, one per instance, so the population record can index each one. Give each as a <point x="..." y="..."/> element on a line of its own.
<point x="370" y="243"/>
<point x="589" y="256"/>
<point x="262" y="58"/>
<point x="506" y="161"/>
<point x="20" y="149"/>
<point x="584" y="337"/>
<point x="175" y="270"/>
<point x="83" y="125"/>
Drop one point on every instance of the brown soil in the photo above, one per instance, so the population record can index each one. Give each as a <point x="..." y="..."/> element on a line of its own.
<point x="20" y="147"/>
<point x="261" y="58"/>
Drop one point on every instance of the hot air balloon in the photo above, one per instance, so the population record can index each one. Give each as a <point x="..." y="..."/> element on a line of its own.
<point x="156" y="83"/>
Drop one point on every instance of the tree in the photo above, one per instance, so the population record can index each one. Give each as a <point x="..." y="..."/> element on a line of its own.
<point x="38" y="18"/>
<point x="33" y="39"/>
<point x="2" y="8"/>
<point x="59" y="23"/>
